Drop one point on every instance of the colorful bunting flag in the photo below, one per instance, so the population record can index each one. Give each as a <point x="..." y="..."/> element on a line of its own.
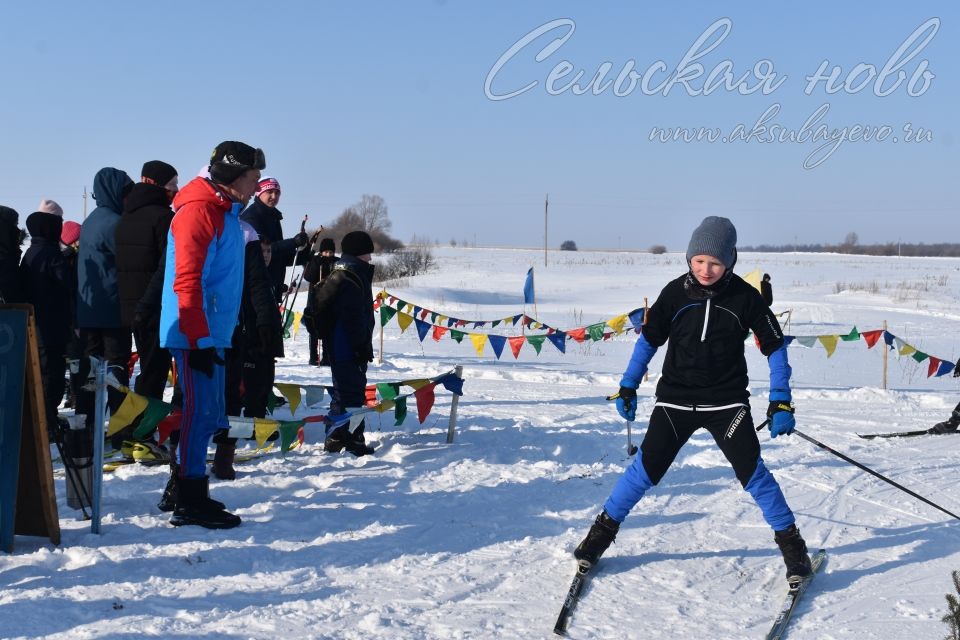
<point x="497" y="343"/>
<point x="516" y="343"/>
<point x="829" y="343"/>
<point x="933" y="367"/>
<point x="537" y="342"/>
<point x="617" y="323"/>
<point x="871" y="337"/>
<point x="404" y="320"/>
<point x="291" y="392"/>
<point x="400" y="411"/>
<point x="423" y="328"/>
<point x="314" y="394"/>
<point x="852" y="336"/>
<point x="478" y="340"/>
<point x="156" y="411"/>
<point x="559" y="340"/>
<point x="131" y="407"/>
<point x="386" y="313"/>
<point x="425" y="399"/>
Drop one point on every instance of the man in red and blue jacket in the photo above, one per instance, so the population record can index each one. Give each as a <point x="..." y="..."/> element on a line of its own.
<point x="202" y="290"/>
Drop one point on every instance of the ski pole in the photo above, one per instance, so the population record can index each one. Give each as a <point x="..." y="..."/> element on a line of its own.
<point x="867" y="469"/>
<point x="303" y="229"/>
<point x="631" y="448"/>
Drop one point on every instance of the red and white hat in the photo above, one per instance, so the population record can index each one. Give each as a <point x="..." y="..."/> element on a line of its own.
<point x="267" y="184"/>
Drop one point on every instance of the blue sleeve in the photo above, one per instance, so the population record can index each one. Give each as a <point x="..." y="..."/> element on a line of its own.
<point x="642" y="354"/>
<point x="779" y="373"/>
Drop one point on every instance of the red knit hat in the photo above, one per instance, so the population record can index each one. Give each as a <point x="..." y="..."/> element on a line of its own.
<point x="267" y="184"/>
<point x="70" y="232"/>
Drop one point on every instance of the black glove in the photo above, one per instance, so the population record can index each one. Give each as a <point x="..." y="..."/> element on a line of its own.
<point x="268" y="339"/>
<point x="202" y="360"/>
<point x="363" y="356"/>
<point x="301" y="239"/>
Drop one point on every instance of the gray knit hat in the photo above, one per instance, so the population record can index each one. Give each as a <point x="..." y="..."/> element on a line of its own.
<point x="715" y="237"/>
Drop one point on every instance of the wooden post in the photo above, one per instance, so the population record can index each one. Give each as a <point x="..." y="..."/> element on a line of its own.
<point x="458" y="370"/>
<point x="383" y="296"/>
<point x="885" y="357"/>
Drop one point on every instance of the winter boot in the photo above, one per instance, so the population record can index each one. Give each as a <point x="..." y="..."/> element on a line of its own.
<point x="223" y="459"/>
<point x="148" y="452"/>
<point x="357" y="444"/>
<point x="795" y="556"/>
<point x="336" y="440"/>
<point x="948" y="425"/>
<point x="168" y="501"/>
<point x="601" y="534"/>
<point x="194" y="506"/>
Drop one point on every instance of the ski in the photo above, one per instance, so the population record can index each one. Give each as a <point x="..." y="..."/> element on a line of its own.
<point x="783" y="618"/>
<point x="573" y="595"/>
<point x="935" y="430"/>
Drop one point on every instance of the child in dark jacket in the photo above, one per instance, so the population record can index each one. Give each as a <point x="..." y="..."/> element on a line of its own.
<point x="316" y="272"/>
<point x="47" y="279"/>
<point x="348" y="296"/>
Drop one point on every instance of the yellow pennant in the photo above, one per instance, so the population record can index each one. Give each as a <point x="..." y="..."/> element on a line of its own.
<point x="297" y="316"/>
<point x="263" y="429"/>
<point x="291" y="392"/>
<point x="753" y="279"/>
<point x="906" y="350"/>
<point x="404" y="320"/>
<point x="385" y="405"/>
<point x="131" y="407"/>
<point x="617" y="323"/>
<point x="479" y="341"/>
<point x="829" y="343"/>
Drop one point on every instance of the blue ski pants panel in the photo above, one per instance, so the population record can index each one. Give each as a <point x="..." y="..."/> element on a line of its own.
<point x="631" y="486"/>
<point x="204" y="411"/>
<point x="765" y="491"/>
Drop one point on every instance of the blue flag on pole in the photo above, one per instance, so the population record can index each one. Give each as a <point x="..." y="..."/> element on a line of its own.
<point x="528" y="288"/>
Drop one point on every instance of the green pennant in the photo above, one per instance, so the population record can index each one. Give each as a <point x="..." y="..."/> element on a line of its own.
<point x="388" y="390"/>
<point x="386" y="314"/>
<point x="495" y="323"/>
<point x="433" y="317"/>
<point x="919" y="356"/>
<point x="456" y="335"/>
<point x="288" y="433"/>
<point x="287" y="323"/>
<point x="852" y="336"/>
<point x="596" y="331"/>
<point x="400" y="411"/>
<point x="537" y="341"/>
<point x="156" y="411"/>
<point x="271" y="401"/>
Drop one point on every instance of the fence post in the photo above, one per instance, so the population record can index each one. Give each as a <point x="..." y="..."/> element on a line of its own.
<point x="382" y="295"/>
<point x="884" y="357"/>
<point x="458" y="370"/>
<point x="99" y="432"/>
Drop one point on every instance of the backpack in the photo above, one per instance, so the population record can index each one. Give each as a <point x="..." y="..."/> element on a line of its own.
<point x="320" y="316"/>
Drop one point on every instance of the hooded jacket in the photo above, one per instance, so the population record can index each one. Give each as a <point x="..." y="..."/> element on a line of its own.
<point x="141" y="238"/>
<point x="203" y="276"/>
<point x="9" y="256"/>
<point x="347" y="293"/>
<point x="47" y="279"/>
<point x="266" y="221"/>
<point x="98" y="300"/>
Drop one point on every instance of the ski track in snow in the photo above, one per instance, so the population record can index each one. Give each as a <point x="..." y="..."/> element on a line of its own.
<point x="472" y="539"/>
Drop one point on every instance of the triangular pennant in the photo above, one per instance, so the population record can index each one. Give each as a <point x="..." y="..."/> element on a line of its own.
<point x="871" y="337"/>
<point x="850" y="337"/>
<point x="829" y="343"/>
<point x="438" y="332"/>
<point x="386" y="313"/>
<point x="456" y="335"/>
<point x="933" y="367"/>
<point x="388" y="390"/>
<point x="417" y="383"/>
<point x="579" y="334"/>
<point x="386" y="405"/>
<point x="404" y="320"/>
<point x="497" y="343"/>
<point x="595" y="331"/>
<point x="559" y="340"/>
<point x="156" y="411"/>
<point x="271" y="402"/>
<point x="452" y="383"/>
<point x="515" y="319"/>
<point x="888" y="338"/>
<point x="516" y="343"/>
<point x="314" y="394"/>
<point x="400" y="411"/>
<point x="291" y="392"/>
<point x="903" y="348"/>
<point x="495" y="323"/>
<point x="945" y="368"/>
<point x="919" y="356"/>
<point x="433" y="317"/>
<point x="370" y="395"/>
<point x="297" y="317"/>
<point x="422" y="328"/>
<point x="240" y="427"/>
<point x="617" y="323"/>
<point x="168" y="425"/>
<point x="479" y="340"/>
<point x="131" y="407"/>
<point x="807" y="341"/>
<point x="356" y="417"/>
<point x="425" y="398"/>
<point x="263" y="429"/>
<point x="537" y="342"/>
<point x="288" y="433"/>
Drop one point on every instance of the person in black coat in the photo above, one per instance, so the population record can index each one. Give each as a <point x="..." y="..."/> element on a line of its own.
<point x="264" y="216"/>
<point x="141" y="243"/>
<point x="316" y="271"/>
<point x="10" y="240"/>
<point x="347" y="296"/>
<point x="46" y="279"/>
<point x="257" y="341"/>
<point x="766" y="289"/>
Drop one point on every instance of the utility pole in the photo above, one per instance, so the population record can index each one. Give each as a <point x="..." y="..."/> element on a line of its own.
<point x="84" y="203"/>
<point x="546" y="205"/>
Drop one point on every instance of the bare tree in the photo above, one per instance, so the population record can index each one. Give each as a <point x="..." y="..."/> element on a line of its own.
<point x="373" y="213"/>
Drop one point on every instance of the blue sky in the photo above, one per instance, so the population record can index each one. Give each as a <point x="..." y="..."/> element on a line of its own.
<point x="389" y="98"/>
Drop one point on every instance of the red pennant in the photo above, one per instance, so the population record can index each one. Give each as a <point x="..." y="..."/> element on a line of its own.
<point x="314" y="418"/>
<point x="300" y="435"/>
<point x="423" y="314"/>
<point x="578" y="334"/>
<point x="438" y="332"/>
<point x="516" y="343"/>
<point x="132" y="361"/>
<point x="871" y="337"/>
<point x="933" y="366"/>
<point x="425" y="398"/>
<point x="376" y="304"/>
<point x="370" y="395"/>
<point x="168" y="425"/>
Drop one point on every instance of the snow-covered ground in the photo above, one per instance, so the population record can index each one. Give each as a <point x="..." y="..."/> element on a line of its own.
<point x="473" y="539"/>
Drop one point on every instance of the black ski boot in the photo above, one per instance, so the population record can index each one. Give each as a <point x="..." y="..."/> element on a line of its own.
<point x="357" y="444"/>
<point x="336" y="440"/>
<point x="948" y="425"/>
<point x="168" y="501"/>
<point x="194" y="506"/>
<point x="601" y="534"/>
<point x="795" y="555"/>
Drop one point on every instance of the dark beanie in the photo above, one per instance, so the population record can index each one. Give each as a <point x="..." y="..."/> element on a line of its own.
<point x="716" y="237"/>
<point x="159" y="171"/>
<point x="232" y="159"/>
<point x="327" y="244"/>
<point x="9" y="215"/>
<point x="356" y="243"/>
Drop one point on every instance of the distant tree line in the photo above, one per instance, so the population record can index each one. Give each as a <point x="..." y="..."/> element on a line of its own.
<point x="852" y="246"/>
